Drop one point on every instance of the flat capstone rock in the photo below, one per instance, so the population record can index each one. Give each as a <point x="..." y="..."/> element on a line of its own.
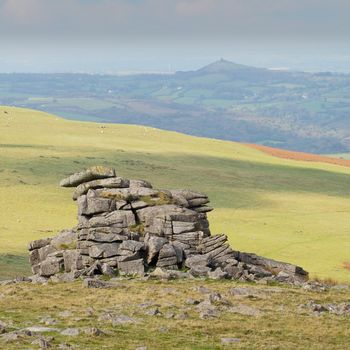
<point x="93" y="173"/>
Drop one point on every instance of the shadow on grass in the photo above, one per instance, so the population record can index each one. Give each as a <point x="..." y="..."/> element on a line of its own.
<point x="12" y="266"/>
<point x="225" y="180"/>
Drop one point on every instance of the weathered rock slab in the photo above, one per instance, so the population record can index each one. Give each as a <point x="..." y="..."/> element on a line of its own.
<point x="113" y="182"/>
<point x="133" y="267"/>
<point x="93" y="173"/>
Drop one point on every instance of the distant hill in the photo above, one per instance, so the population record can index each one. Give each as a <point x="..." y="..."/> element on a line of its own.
<point x="224" y="66"/>
<point x="224" y="100"/>
<point x="285" y="209"/>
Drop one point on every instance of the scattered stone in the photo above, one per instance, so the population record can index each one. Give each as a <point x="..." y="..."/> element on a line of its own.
<point x="208" y="313"/>
<point x="48" y="321"/>
<point x="217" y="299"/>
<point x="340" y="287"/>
<point x="163" y="330"/>
<point x="6" y="282"/>
<point x="199" y="271"/>
<point x="11" y="337"/>
<point x="191" y="301"/>
<point x="182" y="316"/>
<point x="341" y="309"/>
<point x="146" y="304"/>
<point x="123" y="319"/>
<point x="171" y="290"/>
<point x="169" y="315"/>
<point x="89" y="311"/>
<point x="153" y="312"/>
<point x="217" y="274"/>
<point x="244" y="310"/>
<point x="38" y="329"/>
<point x="203" y="290"/>
<point x="93" y="331"/>
<point x="3" y="327"/>
<point x="315" y="286"/>
<point x="43" y="343"/>
<point x="95" y="283"/>
<point x="106" y="316"/>
<point x="65" y="314"/>
<point x="36" y="279"/>
<point x="245" y="292"/>
<point x="161" y="273"/>
<point x="228" y="341"/>
<point x="71" y="332"/>
<point x="207" y="310"/>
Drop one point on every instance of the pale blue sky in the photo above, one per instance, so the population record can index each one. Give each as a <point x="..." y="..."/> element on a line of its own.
<point x="118" y="35"/>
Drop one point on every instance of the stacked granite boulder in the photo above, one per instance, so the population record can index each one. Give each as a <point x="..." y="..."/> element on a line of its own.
<point x="126" y="227"/>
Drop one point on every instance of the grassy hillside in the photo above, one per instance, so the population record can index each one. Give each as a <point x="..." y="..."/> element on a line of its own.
<point x="284" y="209"/>
<point x="340" y="155"/>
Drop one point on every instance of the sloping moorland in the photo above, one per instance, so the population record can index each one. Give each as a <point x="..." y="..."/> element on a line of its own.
<point x="284" y="209"/>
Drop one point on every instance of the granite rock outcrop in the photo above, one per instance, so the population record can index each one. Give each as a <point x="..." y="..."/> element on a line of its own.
<point x="127" y="227"/>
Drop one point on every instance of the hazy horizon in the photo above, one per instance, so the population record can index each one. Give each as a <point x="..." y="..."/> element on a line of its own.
<point x="130" y="60"/>
<point x="116" y="36"/>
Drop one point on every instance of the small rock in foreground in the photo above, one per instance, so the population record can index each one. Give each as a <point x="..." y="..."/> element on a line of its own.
<point x="228" y="341"/>
<point x="71" y="332"/>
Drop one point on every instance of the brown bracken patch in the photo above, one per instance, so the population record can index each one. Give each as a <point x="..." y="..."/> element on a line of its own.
<point x="306" y="157"/>
<point x="346" y="265"/>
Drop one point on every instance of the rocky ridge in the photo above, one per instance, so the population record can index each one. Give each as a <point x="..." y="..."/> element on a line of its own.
<point x="126" y="227"/>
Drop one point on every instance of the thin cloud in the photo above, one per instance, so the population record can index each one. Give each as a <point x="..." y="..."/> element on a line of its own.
<point x="142" y="20"/>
